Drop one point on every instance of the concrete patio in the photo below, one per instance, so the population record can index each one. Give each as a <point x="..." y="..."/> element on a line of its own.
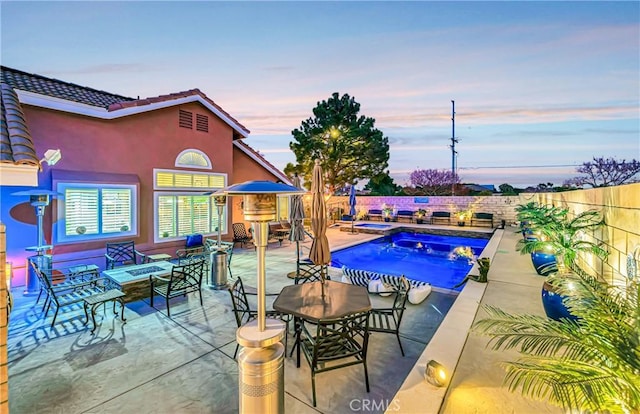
<point x="183" y="364"/>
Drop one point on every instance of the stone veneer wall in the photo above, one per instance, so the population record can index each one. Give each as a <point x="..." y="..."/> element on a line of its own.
<point x="620" y="235"/>
<point x="4" y="324"/>
<point x="502" y="207"/>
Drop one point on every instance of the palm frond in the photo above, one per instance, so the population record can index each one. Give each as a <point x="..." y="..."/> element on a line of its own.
<point x="589" y="364"/>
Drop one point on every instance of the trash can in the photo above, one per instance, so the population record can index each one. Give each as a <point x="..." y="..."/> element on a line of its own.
<point x="218" y="274"/>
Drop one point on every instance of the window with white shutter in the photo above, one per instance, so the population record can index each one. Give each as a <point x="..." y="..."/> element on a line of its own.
<point x="182" y="208"/>
<point x="96" y="211"/>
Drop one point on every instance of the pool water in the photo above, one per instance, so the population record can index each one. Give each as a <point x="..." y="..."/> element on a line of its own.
<point x="373" y="226"/>
<point x="418" y="256"/>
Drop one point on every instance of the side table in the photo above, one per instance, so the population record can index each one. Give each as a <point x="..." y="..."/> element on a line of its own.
<point x="113" y="295"/>
<point x="157" y="257"/>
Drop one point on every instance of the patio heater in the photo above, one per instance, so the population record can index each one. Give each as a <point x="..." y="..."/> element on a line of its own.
<point x="218" y="256"/>
<point x="39" y="199"/>
<point x="261" y="361"/>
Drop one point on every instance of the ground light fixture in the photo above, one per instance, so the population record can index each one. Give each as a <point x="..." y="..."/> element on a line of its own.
<point x="261" y="361"/>
<point x="436" y="374"/>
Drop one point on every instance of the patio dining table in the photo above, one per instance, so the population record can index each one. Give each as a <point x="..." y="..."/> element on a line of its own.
<point x="314" y="301"/>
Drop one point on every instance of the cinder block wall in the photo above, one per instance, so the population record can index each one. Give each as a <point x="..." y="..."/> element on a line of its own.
<point x="4" y="324"/>
<point x="502" y="207"/>
<point x="620" y="235"/>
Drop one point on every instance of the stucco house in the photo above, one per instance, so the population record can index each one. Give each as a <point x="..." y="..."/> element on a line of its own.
<point x="131" y="169"/>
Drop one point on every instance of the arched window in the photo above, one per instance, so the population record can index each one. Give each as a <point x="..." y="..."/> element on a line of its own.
<point x="192" y="158"/>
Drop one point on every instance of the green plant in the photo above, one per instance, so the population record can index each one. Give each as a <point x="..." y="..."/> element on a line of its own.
<point x="421" y="213"/>
<point x="588" y="365"/>
<point x="484" y="264"/>
<point x="562" y="236"/>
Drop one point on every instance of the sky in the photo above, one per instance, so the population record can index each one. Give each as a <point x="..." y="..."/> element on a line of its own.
<point x="539" y="87"/>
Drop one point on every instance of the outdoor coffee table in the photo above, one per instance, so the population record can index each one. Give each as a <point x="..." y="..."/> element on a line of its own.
<point x="134" y="280"/>
<point x="93" y="301"/>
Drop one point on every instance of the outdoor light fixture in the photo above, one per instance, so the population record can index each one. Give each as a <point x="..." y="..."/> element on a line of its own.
<point x="51" y="156"/>
<point x="436" y="374"/>
<point x="261" y="361"/>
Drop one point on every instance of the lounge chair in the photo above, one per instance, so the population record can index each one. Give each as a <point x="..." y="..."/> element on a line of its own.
<point x="482" y="219"/>
<point x="405" y="214"/>
<point x="440" y="216"/>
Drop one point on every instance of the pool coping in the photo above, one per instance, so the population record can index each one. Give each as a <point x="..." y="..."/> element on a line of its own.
<point x="446" y="345"/>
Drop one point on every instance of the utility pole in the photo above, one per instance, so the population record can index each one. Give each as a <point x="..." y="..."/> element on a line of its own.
<point x="454" y="141"/>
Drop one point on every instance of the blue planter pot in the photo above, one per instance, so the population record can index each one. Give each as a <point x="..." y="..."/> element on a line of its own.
<point x="552" y="303"/>
<point x="545" y="264"/>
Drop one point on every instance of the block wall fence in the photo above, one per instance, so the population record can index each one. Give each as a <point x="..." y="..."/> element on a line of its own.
<point x="502" y="207"/>
<point x="619" y="205"/>
<point x="620" y="236"/>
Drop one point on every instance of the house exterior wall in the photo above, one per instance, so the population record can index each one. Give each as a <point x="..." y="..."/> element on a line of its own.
<point x="135" y="144"/>
<point x="245" y="168"/>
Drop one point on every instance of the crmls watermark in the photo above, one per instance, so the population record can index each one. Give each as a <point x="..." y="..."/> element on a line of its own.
<point x="366" y="404"/>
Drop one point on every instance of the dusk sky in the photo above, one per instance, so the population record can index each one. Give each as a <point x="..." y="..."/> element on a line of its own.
<point x="540" y="87"/>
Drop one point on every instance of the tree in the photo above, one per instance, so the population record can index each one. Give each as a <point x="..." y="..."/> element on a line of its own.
<point x="507" y="189"/>
<point x="382" y="185"/>
<point x="605" y="172"/>
<point x="348" y="145"/>
<point x="434" y="182"/>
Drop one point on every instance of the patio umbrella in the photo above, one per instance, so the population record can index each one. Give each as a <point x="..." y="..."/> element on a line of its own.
<point x="352" y="206"/>
<point x="319" y="253"/>
<point x="296" y="215"/>
<point x="352" y="202"/>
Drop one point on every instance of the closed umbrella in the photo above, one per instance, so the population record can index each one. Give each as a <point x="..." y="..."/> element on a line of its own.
<point x="296" y="215"/>
<point x="319" y="254"/>
<point x="352" y="202"/>
<point x="352" y="206"/>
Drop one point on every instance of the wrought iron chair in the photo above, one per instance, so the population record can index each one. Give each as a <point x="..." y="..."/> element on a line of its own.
<point x="123" y="253"/>
<point x="240" y="235"/>
<point x="243" y="312"/>
<point x="344" y="339"/>
<point x="387" y="320"/>
<point x="308" y="271"/>
<point x="185" y="278"/>
<point x="66" y="293"/>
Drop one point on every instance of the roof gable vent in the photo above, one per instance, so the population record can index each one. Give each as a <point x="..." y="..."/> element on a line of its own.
<point x="202" y="123"/>
<point x="185" y="119"/>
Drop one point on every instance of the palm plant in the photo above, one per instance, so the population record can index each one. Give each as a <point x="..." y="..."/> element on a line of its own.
<point x="562" y="236"/>
<point x="590" y="364"/>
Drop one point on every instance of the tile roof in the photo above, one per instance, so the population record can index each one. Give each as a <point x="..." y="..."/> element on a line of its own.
<point x="274" y="170"/>
<point x="172" y="96"/>
<point x="71" y="92"/>
<point x="58" y="89"/>
<point x="16" y="145"/>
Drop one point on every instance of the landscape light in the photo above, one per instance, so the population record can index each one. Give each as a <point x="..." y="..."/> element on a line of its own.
<point x="436" y="374"/>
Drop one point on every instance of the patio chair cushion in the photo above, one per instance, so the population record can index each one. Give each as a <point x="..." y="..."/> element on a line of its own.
<point x="418" y="293"/>
<point x="382" y="289"/>
<point x="194" y="240"/>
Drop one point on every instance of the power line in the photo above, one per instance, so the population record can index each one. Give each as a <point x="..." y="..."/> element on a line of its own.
<point x="518" y="166"/>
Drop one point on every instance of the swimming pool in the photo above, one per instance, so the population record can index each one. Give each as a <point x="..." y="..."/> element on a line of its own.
<point x="418" y="256"/>
<point x="373" y="226"/>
